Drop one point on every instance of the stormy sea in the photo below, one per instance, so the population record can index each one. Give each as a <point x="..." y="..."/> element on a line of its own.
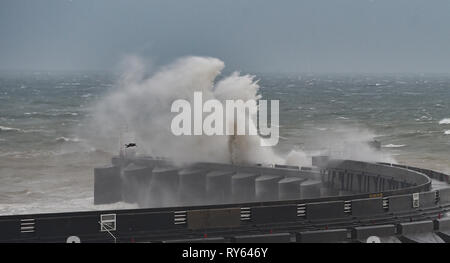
<point x="47" y="123"/>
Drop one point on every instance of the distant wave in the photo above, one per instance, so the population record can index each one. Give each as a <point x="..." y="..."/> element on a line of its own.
<point x="394" y="145"/>
<point x="445" y="121"/>
<point x="46" y="114"/>
<point x="9" y="129"/>
<point x="65" y="139"/>
<point x="428" y="118"/>
<point x="447" y="132"/>
<point x="35" y="131"/>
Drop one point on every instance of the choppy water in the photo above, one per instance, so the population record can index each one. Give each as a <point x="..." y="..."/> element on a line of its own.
<point x="46" y="165"/>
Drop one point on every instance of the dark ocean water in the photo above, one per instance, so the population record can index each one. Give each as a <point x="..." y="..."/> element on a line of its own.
<point x="47" y="165"/>
<point x="406" y="113"/>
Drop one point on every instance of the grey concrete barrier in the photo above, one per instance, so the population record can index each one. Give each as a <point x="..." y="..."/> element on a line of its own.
<point x="374" y="169"/>
<point x="415" y="227"/>
<point x="427" y="199"/>
<point x="218" y="186"/>
<point x="274" y="214"/>
<point x="267" y="187"/>
<point x="264" y="238"/>
<point x="107" y="185"/>
<point x="310" y="189"/>
<point x="9" y="229"/>
<point x="197" y="240"/>
<point x="214" y="218"/>
<point x="333" y="209"/>
<point x="418" y="232"/>
<point x="289" y="188"/>
<point x="243" y="187"/>
<point x="163" y="187"/>
<point x="400" y="203"/>
<point x="192" y="187"/>
<point x="135" y="182"/>
<point x="79" y="226"/>
<point x="130" y="222"/>
<point x="444" y="195"/>
<point x="363" y="232"/>
<point x="322" y="236"/>
<point x="442" y="224"/>
<point x="367" y="207"/>
<point x="328" y="191"/>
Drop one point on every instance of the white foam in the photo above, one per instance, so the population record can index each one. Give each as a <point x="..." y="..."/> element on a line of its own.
<point x="394" y="146"/>
<point x="65" y="139"/>
<point x="447" y="132"/>
<point x="4" y="128"/>
<point x="142" y="105"/>
<point x="445" y="121"/>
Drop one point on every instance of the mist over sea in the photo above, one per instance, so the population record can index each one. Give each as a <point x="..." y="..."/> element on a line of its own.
<point x="46" y="164"/>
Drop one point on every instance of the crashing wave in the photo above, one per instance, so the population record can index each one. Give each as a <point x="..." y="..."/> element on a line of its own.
<point x="445" y="121"/>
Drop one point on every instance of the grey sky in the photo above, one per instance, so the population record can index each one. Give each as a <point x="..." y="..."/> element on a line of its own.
<point x="249" y="35"/>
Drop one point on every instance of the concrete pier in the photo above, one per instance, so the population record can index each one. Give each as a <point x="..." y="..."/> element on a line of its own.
<point x="163" y="187"/>
<point x="243" y="187"/>
<point x="135" y="182"/>
<point x="107" y="185"/>
<point x="192" y="187"/>
<point x="289" y="188"/>
<point x="218" y="187"/>
<point x="267" y="187"/>
<point x="310" y="189"/>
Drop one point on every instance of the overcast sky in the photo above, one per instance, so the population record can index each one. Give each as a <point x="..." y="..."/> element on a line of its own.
<point x="248" y="35"/>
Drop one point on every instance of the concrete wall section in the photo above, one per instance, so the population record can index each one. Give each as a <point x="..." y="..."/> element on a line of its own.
<point x="163" y="187"/>
<point x="334" y="209"/>
<point x="198" y="240"/>
<point x="427" y="199"/>
<point x="9" y="229"/>
<point x="192" y="187"/>
<point x="274" y="214"/>
<point x="144" y="222"/>
<point x="363" y="232"/>
<point x="214" y="218"/>
<point x="289" y="188"/>
<point x="415" y="227"/>
<point x="442" y="224"/>
<point x="367" y="207"/>
<point x="135" y="182"/>
<point x="310" y="189"/>
<point x="107" y="185"/>
<point x="267" y="187"/>
<point x="444" y="195"/>
<point x="218" y="187"/>
<point x="322" y="236"/>
<point x="400" y="203"/>
<point x="243" y="187"/>
<point x="264" y="238"/>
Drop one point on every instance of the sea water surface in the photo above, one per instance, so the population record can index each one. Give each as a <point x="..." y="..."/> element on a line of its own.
<point x="47" y="166"/>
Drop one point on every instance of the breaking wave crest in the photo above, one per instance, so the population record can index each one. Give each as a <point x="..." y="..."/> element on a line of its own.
<point x="445" y="121"/>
